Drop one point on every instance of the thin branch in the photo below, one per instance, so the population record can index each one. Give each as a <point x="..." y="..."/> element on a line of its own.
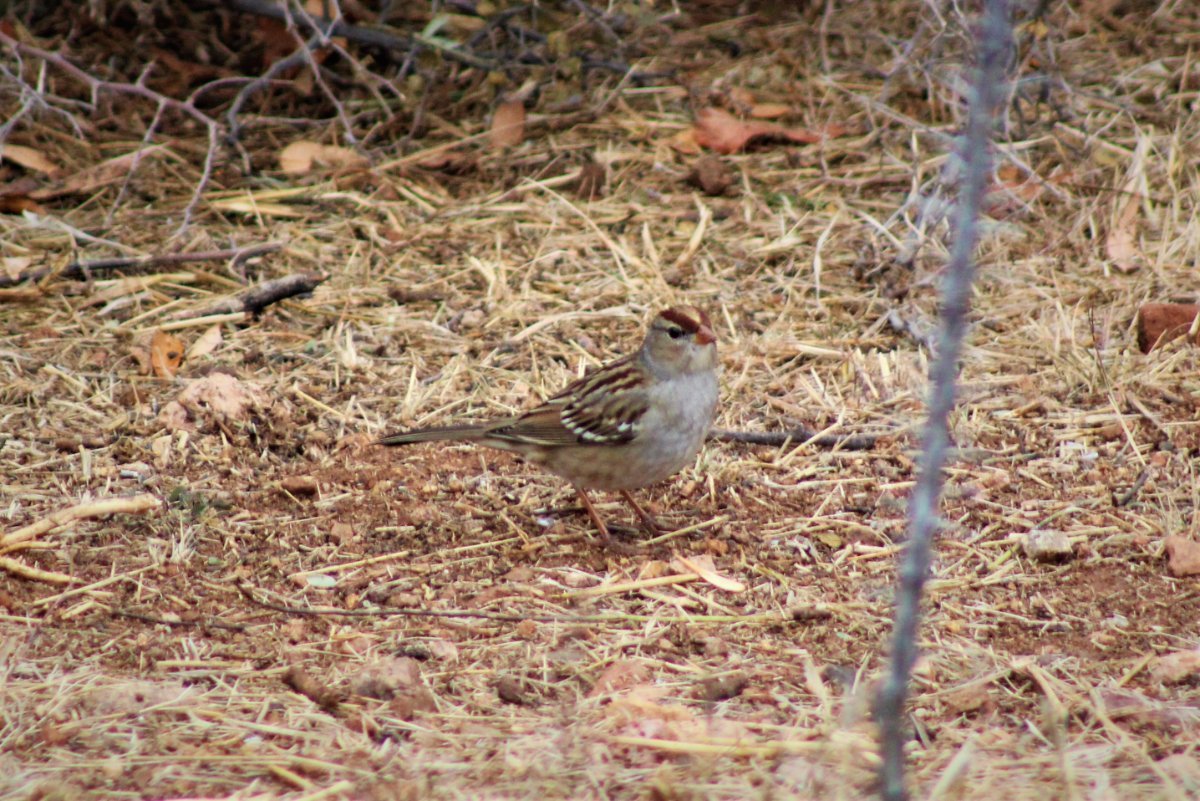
<point x="97" y="87"/>
<point x="797" y="436"/>
<point x="82" y="269"/>
<point x="258" y="297"/>
<point x="363" y="35"/>
<point x="994" y="46"/>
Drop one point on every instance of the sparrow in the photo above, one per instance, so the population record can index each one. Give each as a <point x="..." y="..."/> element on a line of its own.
<point x="627" y="424"/>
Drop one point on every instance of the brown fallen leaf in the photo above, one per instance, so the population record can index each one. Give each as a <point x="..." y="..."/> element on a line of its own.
<point x="685" y="143"/>
<point x="508" y="125"/>
<point x="29" y="158"/>
<point x="209" y="341"/>
<point x="721" y="131"/>
<point x="302" y="156"/>
<point x="98" y="175"/>
<point x="166" y="354"/>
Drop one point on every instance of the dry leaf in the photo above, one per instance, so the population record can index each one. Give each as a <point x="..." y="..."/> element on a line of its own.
<point x="721" y="131"/>
<point x="1121" y="242"/>
<point x="99" y="175"/>
<point x="685" y="143"/>
<point x="166" y="354"/>
<point x="301" y="157"/>
<point x="209" y="341"/>
<point x="702" y="566"/>
<point x="769" y="111"/>
<point x="30" y="159"/>
<point x="508" y="125"/>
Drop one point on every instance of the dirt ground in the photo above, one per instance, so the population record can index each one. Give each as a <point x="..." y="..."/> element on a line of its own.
<point x="299" y="613"/>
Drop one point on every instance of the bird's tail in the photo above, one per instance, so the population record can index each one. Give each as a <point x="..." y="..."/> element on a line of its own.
<point x="465" y="433"/>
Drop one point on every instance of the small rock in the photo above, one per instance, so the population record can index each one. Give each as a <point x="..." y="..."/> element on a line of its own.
<point x="1183" y="556"/>
<point x="1042" y="545"/>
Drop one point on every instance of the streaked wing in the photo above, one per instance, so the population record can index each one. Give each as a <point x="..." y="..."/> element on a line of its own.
<point x="601" y="408"/>
<point x="606" y="406"/>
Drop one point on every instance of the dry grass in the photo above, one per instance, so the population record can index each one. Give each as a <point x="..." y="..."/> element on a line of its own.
<point x="169" y="671"/>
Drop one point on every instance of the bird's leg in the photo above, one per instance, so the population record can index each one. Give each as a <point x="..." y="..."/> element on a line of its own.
<point x="593" y="514"/>
<point x="647" y="519"/>
<point x="605" y="537"/>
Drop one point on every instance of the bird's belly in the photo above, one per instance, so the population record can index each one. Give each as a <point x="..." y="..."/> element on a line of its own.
<point x="625" y="467"/>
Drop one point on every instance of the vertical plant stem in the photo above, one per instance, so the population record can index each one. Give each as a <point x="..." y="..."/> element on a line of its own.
<point x="994" y="41"/>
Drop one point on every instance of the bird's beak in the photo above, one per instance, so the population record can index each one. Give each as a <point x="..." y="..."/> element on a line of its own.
<point x="705" y="336"/>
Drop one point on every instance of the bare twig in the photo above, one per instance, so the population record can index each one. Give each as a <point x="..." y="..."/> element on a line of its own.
<point x="81" y="269"/>
<point x="260" y="296"/>
<point x="363" y="35"/>
<point x="97" y="87"/>
<point x="159" y="621"/>
<point x="994" y="43"/>
<point x="797" y="436"/>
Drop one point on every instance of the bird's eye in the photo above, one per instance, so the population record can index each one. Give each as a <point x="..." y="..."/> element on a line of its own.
<point x="675" y="332"/>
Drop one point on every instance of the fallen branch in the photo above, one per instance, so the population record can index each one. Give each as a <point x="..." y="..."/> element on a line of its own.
<point x="797" y="436"/>
<point x="82" y="269"/>
<point x="253" y="300"/>
<point x="66" y="517"/>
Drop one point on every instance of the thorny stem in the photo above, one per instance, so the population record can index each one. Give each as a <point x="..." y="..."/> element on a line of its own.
<point x="97" y="86"/>
<point x="994" y="42"/>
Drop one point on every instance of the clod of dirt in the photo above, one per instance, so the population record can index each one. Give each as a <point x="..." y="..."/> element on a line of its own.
<point x="395" y="679"/>
<point x="1183" y="556"/>
<point x="219" y="399"/>
<point x="711" y="176"/>
<point x="723" y="687"/>
<point x="509" y="691"/>
<point x="1159" y="323"/>
<point x="312" y="688"/>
